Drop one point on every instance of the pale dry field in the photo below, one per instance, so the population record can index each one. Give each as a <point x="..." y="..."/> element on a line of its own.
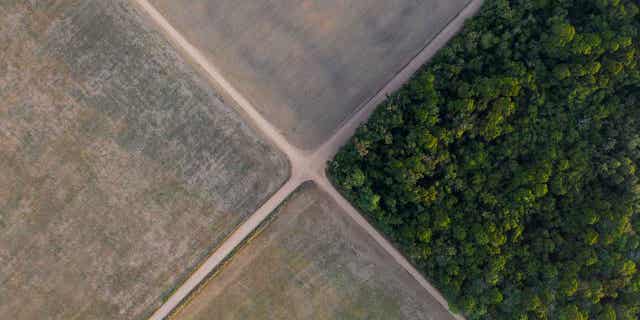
<point x="120" y="169"/>
<point x="307" y="65"/>
<point x="311" y="261"/>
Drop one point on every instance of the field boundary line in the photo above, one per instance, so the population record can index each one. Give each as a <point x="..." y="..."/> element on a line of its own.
<point x="219" y="268"/>
<point x="221" y="254"/>
<point x="208" y="255"/>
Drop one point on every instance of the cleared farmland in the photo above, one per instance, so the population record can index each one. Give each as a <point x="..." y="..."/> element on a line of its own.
<point x="311" y="261"/>
<point x="119" y="168"/>
<point x="307" y="65"/>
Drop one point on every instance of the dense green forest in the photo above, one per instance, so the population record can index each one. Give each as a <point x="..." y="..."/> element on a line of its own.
<point x="507" y="169"/>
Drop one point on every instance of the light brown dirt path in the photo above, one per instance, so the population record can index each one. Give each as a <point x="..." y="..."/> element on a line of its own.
<point x="222" y="252"/>
<point x="305" y="166"/>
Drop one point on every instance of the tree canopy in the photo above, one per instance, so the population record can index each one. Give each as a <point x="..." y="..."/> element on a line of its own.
<point x="507" y="168"/>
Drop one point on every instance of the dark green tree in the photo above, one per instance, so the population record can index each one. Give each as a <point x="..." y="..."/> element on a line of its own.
<point x="508" y="167"/>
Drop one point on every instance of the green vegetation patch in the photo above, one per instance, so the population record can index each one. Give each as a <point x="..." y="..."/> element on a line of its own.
<point x="507" y="169"/>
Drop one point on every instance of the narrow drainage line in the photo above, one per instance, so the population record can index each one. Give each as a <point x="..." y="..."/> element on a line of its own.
<point x="225" y="249"/>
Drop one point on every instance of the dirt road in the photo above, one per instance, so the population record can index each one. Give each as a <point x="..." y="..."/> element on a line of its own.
<point x="305" y="166"/>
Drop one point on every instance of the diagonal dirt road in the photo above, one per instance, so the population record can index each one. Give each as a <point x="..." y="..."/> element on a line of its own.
<point x="305" y="166"/>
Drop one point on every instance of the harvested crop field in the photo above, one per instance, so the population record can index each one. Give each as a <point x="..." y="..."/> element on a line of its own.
<point x="312" y="261"/>
<point x="119" y="168"/>
<point x="307" y="65"/>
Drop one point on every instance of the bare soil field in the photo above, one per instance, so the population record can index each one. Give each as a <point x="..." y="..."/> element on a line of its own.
<point x="311" y="261"/>
<point x="307" y="65"/>
<point x="120" y="169"/>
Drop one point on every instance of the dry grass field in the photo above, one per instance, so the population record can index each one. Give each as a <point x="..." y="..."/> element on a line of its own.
<point x="311" y="261"/>
<point x="119" y="168"/>
<point x="307" y="65"/>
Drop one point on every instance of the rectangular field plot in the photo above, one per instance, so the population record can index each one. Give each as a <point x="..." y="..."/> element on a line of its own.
<point x="311" y="261"/>
<point x="119" y="168"/>
<point x="307" y="65"/>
